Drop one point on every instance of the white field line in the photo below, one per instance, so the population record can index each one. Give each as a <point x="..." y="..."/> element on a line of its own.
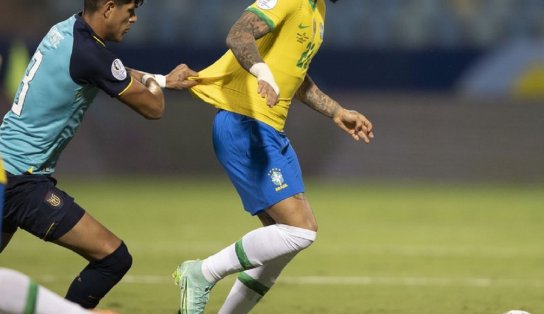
<point x="437" y="251"/>
<point x="355" y="281"/>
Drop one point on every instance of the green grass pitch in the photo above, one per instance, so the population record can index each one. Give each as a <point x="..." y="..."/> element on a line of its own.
<point x="406" y="248"/>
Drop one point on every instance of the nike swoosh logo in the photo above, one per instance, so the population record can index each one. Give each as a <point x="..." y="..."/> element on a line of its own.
<point x="302" y="26"/>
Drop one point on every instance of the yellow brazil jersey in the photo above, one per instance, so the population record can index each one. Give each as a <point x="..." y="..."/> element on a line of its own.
<point x="297" y="28"/>
<point x="2" y="173"/>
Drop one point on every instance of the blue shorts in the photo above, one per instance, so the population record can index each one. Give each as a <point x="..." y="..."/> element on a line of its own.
<point x="35" y="204"/>
<point x="260" y="161"/>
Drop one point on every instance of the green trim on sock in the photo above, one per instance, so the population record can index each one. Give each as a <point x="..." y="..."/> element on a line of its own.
<point x="263" y="17"/>
<point x="31" y="298"/>
<point x="241" y="254"/>
<point x="252" y="284"/>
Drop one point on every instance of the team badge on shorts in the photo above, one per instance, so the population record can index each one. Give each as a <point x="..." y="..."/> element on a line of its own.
<point x="53" y="199"/>
<point x="118" y="70"/>
<point x="277" y="178"/>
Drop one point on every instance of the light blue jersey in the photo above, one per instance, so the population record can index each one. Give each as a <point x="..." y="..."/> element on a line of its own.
<point x="66" y="72"/>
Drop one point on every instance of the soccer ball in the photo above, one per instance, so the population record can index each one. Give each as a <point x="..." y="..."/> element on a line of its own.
<point x="516" y="312"/>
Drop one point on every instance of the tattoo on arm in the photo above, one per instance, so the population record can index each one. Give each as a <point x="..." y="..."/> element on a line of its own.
<point x="242" y="37"/>
<point x="313" y="97"/>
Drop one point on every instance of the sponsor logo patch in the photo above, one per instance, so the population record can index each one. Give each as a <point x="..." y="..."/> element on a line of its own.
<point x="118" y="70"/>
<point x="277" y="178"/>
<point x="267" y="4"/>
<point x="55" y="37"/>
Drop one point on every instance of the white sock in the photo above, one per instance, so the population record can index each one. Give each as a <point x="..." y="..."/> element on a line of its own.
<point x="19" y="294"/>
<point x="255" y="249"/>
<point x="252" y="285"/>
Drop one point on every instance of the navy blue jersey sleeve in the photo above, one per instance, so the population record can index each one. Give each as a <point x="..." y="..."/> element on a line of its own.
<point x="92" y="63"/>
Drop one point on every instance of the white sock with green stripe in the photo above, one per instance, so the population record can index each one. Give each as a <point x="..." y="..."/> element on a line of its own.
<point x="252" y="285"/>
<point x="255" y="249"/>
<point x="20" y="295"/>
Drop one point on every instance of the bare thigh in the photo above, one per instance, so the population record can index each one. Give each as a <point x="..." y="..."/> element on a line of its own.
<point x="265" y="219"/>
<point x="90" y="239"/>
<point x="294" y="211"/>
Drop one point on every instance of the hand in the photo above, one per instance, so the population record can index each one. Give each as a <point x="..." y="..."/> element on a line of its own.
<point x="179" y="78"/>
<point x="267" y="91"/>
<point x="355" y="124"/>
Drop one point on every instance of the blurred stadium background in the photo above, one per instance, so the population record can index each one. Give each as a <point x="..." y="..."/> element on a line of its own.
<point x="455" y="89"/>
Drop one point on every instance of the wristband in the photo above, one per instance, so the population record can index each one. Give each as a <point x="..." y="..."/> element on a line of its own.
<point x="160" y="79"/>
<point x="262" y="72"/>
<point x="146" y="77"/>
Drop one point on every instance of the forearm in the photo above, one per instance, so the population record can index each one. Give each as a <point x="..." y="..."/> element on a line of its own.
<point x="144" y="78"/>
<point x="245" y="50"/>
<point x="309" y="94"/>
<point x="147" y="98"/>
<point x="136" y="74"/>
<point x="242" y="39"/>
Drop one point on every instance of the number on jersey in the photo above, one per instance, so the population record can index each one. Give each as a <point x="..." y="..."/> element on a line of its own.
<point x="17" y="106"/>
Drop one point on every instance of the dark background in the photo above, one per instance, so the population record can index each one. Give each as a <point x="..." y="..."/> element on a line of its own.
<point x="455" y="90"/>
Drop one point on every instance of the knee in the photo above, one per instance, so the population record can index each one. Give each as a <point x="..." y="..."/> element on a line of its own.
<point x="298" y="238"/>
<point x="312" y="226"/>
<point x="117" y="263"/>
<point x="309" y="223"/>
<point x="123" y="259"/>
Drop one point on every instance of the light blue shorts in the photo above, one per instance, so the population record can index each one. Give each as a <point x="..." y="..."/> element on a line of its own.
<point x="260" y="161"/>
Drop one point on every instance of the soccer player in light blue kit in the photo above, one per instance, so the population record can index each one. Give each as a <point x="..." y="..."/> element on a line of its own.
<point x="69" y="67"/>
<point x="19" y="294"/>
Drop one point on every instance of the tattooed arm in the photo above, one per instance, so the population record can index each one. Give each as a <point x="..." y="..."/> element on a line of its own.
<point x="242" y="39"/>
<point x="242" y="42"/>
<point x="351" y="121"/>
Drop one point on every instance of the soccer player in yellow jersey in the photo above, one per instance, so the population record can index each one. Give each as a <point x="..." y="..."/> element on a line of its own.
<point x="271" y="48"/>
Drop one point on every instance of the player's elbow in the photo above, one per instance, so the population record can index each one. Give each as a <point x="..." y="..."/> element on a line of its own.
<point x="236" y="39"/>
<point x="154" y="114"/>
<point x="230" y="41"/>
<point x="155" y="110"/>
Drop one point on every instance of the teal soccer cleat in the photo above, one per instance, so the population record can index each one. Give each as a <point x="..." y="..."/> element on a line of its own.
<point x="195" y="289"/>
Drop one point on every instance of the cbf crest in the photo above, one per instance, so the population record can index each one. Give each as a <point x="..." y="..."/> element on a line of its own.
<point x="277" y="179"/>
